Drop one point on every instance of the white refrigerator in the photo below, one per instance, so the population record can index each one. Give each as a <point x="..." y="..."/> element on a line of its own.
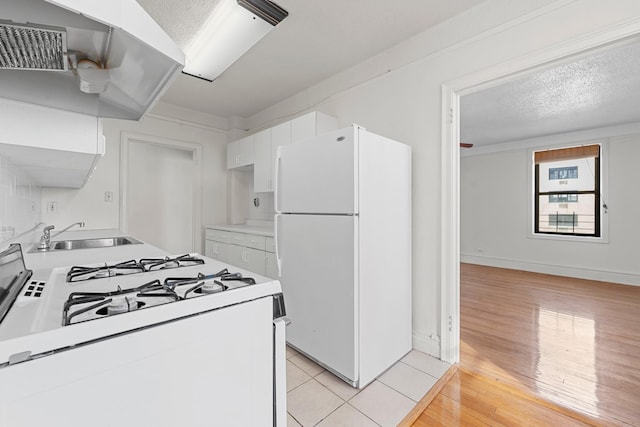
<point x="343" y="246"/>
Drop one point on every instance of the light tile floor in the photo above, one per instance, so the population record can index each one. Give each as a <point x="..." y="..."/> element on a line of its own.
<point x="316" y="397"/>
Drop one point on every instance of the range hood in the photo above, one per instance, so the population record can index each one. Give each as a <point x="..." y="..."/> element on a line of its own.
<point x="111" y="59"/>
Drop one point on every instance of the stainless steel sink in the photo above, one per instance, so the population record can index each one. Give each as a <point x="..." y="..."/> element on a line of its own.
<point x="103" y="242"/>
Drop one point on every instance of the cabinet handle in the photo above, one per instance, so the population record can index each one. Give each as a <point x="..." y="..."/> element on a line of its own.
<point x="237" y="159"/>
<point x="215" y="249"/>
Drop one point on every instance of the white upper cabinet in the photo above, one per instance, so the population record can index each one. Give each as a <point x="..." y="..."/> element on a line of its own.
<point x="260" y="149"/>
<point x="280" y="135"/>
<point x="266" y="144"/>
<point x="55" y="148"/>
<point x="311" y="124"/>
<point x="240" y="152"/>
<point x="262" y="161"/>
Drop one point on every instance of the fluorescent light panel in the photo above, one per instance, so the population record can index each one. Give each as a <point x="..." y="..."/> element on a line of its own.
<point x="230" y="31"/>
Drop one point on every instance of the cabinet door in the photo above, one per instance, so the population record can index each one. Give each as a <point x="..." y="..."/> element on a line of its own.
<point x="271" y="266"/>
<point x="262" y="162"/>
<point x="209" y="249"/>
<point x="254" y="260"/>
<point x="217" y="250"/>
<point x="235" y="256"/>
<point x="240" y="152"/>
<point x="280" y="136"/>
<point x="245" y="155"/>
<point x="312" y="124"/>
<point x="270" y="244"/>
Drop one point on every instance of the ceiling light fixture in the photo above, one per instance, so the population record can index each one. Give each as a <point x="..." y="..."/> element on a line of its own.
<point x="231" y="30"/>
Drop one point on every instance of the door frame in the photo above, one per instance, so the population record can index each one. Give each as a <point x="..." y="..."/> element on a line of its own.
<point x="450" y="160"/>
<point x="196" y="149"/>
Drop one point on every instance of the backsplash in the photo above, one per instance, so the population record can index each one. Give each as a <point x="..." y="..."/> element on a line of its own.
<point x="20" y="208"/>
<point x="261" y="206"/>
<point x="242" y="202"/>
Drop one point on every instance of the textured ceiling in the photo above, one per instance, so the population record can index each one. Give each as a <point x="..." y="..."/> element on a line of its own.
<point x="319" y="38"/>
<point x="180" y="19"/>
<point x="592" y="91"/>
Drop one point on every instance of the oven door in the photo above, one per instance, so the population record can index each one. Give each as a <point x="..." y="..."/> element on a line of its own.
<point x="212" y="368"/>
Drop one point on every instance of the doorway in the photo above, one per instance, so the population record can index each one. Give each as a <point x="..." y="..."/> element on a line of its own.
<point x="160" y="192"/>
<point x="451" y="93"/>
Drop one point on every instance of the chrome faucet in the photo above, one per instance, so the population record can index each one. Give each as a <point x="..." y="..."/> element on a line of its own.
<point x="45" y="239"/>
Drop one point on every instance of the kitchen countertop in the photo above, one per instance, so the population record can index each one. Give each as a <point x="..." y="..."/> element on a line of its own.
<point x="42" y="262"/>
<point x="261" y="228"/>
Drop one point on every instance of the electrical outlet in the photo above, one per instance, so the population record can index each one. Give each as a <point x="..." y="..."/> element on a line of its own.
<point x="108" y="196"/>
<point x="52" y="207"/>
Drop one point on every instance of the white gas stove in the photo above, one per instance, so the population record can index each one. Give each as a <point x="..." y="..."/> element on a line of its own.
<point x="137" y="320"/>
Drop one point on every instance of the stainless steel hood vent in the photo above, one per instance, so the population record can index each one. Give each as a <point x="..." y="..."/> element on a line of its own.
<point x="32" y="48"/>
<point x="134" y="55"/>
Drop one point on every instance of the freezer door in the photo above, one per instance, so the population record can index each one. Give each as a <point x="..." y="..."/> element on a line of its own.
<point x="319" y="175"/>
<point x="317" y="257"/>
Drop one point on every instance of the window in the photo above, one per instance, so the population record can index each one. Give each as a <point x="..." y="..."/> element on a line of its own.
<point x="567" y="191"/>
<point x="563" y="198"/>
<point x="569" y="172"/>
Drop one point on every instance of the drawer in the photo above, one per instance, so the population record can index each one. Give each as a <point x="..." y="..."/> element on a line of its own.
<point x="270" y="244"/>
<point x="237" y="239"/>
<point x="254" y="241"/>
<point x="217" y="235"/>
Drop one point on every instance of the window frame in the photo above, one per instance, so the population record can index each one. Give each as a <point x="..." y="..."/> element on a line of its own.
<point x="600" y="201"/>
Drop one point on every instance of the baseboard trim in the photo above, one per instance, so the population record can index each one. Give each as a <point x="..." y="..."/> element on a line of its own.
<point x="426" y="345"/>
<point x="557" y="270"/>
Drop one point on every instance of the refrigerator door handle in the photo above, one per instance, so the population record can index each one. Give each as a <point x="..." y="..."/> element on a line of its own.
<point x="277" y="237"/>
<point x="277" y="179"/>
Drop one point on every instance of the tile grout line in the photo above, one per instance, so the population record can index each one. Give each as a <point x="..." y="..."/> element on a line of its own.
<point x="301" y="384"/>
<point x="345" y="402"/>
<point x="424" y="372"/>
<point x="400" y="392"/>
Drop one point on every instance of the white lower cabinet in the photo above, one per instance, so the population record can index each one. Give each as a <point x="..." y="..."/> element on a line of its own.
<point x="247" y="259"/>
<point x="272" y="266"/>
<point x="217" y="250"/>
<point x="250" y="252"/>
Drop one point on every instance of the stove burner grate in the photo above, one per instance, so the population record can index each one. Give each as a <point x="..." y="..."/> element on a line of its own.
<point x="154" y="264"/>
<point x="106" y="299"/>
<point x="126" y="300"/>
<point x="81" y="273"/>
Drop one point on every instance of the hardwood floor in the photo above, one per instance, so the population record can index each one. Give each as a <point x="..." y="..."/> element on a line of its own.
<point x="538" y="345"/>
<point x="469" y="399"/>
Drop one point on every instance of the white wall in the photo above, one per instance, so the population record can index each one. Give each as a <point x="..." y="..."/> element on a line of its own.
<point x="494" y="218"/>
<point x="241" y="207"/>
<point x="19" y="202"/>
<point x="88" y="203"/>
<point x="398" y="94"/>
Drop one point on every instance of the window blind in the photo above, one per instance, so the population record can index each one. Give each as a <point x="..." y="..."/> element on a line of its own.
<point x="571" y="153"/>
